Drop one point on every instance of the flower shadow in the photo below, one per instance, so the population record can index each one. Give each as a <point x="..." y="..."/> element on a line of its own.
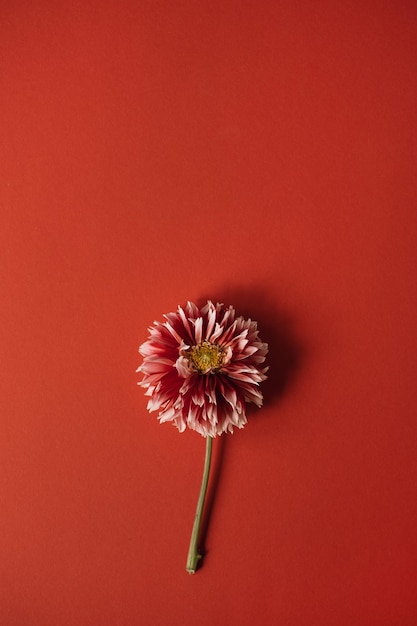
<point x="277" y="328"/>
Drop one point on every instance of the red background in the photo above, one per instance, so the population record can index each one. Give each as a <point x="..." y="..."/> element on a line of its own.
<point x="258" y="153"/>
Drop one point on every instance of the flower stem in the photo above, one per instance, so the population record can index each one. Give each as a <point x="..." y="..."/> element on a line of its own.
<point x="193" y="554"/>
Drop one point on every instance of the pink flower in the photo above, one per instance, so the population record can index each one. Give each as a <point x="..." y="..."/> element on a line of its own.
<point x="201" y="366"/>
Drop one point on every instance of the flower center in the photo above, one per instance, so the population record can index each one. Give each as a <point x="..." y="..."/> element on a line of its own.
<point x="206" y="357"/>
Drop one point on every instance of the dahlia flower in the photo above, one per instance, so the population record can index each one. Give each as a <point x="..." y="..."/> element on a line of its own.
<point x="201" y="366"/>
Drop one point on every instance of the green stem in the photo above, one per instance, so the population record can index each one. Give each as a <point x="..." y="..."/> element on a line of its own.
<point x="193" y="554"/>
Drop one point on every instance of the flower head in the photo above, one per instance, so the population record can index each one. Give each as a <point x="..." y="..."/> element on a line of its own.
<point x="201" y="366"/>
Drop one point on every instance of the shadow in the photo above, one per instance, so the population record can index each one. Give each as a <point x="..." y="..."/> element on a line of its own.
<point x="277" y="328"/>
<point x="284" y="359"/>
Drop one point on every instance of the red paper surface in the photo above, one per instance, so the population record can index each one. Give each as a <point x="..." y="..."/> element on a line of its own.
<point x="262" y="154"/>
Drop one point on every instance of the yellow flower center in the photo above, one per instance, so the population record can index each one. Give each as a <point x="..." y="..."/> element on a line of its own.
<point x="206" y="357"/>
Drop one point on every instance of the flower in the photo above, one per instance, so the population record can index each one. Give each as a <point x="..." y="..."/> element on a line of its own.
<point x="201" y="366"/>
